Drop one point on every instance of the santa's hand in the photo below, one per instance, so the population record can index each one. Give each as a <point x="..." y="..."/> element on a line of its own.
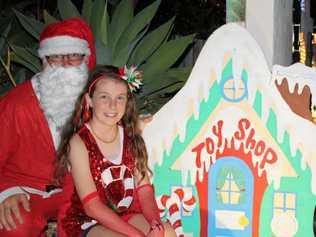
<point x="9" y="209"/>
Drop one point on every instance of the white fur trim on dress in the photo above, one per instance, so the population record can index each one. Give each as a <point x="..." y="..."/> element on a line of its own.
<point x="63" y="45"/>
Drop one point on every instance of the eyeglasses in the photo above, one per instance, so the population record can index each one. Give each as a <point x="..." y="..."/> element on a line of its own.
<point x="58" y="58"/>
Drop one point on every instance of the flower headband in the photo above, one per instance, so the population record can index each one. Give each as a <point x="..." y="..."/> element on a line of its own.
<point x="132" y="76"/>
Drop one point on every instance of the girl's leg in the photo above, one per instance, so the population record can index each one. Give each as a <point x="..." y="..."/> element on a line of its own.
<point x="100" y="231"/>
<point x="140" y="222"/>
<point x="137" y="220"/>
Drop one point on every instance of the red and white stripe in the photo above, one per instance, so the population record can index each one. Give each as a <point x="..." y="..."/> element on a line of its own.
<point x="171" y="206"/>
<point x="124" y="175"/>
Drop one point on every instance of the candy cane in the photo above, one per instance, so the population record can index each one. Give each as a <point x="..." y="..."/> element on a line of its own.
<point x="123" y="175"/>
<point x="179" y="198"/>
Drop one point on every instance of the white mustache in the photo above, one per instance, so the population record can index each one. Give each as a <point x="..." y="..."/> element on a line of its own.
<point x="57" y="80"/>
<point x="59" y="89"/>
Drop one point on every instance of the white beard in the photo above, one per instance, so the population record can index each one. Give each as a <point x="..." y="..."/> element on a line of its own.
<point x="58" y="91"/>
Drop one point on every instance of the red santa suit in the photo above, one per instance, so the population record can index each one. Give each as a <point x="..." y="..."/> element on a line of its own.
<point x="27" y="155"/>
<point x="27" y="151"/>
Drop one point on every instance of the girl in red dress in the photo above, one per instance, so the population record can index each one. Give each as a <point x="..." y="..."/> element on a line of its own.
<point x="108" y="185"/>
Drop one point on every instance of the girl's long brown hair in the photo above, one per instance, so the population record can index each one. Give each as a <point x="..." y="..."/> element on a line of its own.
<point x="129" y="122"/>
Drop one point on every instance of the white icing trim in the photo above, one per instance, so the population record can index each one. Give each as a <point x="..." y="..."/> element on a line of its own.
<point x="296" y="74"/>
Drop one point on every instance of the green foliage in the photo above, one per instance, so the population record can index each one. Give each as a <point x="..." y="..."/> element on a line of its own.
<point x="121" y="38"/>
<point x="3" y="38"/>
<point x="32" y="26"/>
<point x="9" y="75"/>
<point x="236" y="10"/>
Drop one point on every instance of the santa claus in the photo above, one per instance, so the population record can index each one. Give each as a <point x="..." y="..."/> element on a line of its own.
<point x="32" y="116"/>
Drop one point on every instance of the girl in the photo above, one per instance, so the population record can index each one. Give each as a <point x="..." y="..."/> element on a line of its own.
<point x="108" y="160"/>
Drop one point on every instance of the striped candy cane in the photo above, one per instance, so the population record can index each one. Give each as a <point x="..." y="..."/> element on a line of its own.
<point x="171" y="206"/>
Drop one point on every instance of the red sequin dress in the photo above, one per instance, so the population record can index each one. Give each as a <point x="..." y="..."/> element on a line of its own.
<point x="110" y="180"/>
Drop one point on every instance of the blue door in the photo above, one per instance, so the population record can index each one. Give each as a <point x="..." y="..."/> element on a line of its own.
<point x="230" y="198"/>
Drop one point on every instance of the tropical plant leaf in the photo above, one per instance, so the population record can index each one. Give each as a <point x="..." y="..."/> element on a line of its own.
<point x="122" y="16"/>
<point x="150" y="43"/>
<point x="20" y="75"/>
<point x="155" y="94"/>
<point x="98" y="8"/>
<point x="103" y="53"/>
<point x="31" y="25"/>
<point x="177" y="76"/>
<point x="67" y="9"/>
<point x="86" y="10"/>
<point x="121" y="57"/>
<point x="140" y="21"/>
<point x="3" y="39"/>
<point x="18" y="35"/>
<point x="25" y="63"/>
<point x="32" y="51"/>
<point x="103" y="31"/>
<point x="170" y="52"/>
<point x="48" y="19"/>
<point x="23" y="56"/>
<point x="151" y="104"/>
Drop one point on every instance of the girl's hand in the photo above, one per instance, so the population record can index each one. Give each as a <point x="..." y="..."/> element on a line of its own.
<point x="155" y="233"/>
<point x="137" y="234"/>
<point x="156" y="229"/>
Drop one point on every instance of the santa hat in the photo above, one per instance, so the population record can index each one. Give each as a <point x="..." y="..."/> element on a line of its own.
<point x="66" y="37"/>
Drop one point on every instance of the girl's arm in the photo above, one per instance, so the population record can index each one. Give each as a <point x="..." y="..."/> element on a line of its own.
<point x="146" y="196"/>
<point x="87" y="191"/>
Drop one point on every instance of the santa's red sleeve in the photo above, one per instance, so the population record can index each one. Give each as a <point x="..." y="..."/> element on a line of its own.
<point x="8" y="137"/>
<point x="27" y="153"/>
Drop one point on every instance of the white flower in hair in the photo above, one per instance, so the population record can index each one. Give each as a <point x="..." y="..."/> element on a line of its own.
<point x="132" y="76"/>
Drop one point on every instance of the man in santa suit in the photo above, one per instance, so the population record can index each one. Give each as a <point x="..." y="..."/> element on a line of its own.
<point x="32" y="116"/>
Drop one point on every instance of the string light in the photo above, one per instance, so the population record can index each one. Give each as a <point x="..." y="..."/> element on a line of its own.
<point x="302" y="48"/>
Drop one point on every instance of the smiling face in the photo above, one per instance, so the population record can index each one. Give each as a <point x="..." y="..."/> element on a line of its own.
<point x="108" y="101"/>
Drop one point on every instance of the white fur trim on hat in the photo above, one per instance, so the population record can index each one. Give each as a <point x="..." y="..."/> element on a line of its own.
<point x="63" y="45"/>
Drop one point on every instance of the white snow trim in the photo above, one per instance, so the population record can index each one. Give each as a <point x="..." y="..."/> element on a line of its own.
<point x="297" y="74"/>
<point x="10" y="192"/>
<point x="63" y="45"/>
